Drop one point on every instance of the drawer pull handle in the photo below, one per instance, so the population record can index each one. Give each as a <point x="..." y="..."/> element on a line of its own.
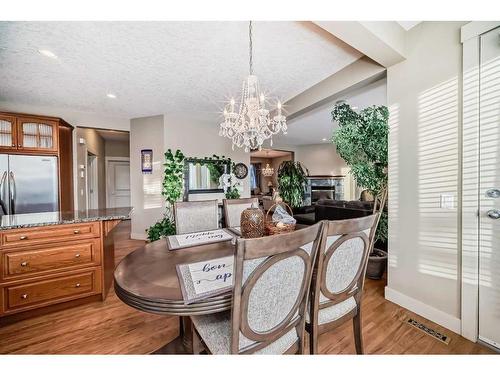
<point x="24" y="264"/>
<point x="77" y="285"/>
<point x="23" y="237"/>
<point x="77" y="255"/>
<point x="76" y="231"/>
<point x="24" y="296"/>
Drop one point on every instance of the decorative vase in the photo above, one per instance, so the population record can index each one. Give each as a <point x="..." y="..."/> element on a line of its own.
<point x="252" y="223"/>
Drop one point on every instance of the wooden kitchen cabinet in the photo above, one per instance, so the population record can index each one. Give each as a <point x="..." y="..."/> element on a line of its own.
<point x="26" y="134"/>
<point x="8" y="128"/>
<point x="37" y="134"/>
<point x="45" y="266"/>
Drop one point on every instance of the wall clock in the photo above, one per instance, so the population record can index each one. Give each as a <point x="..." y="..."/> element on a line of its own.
<point x="240" y="170"/>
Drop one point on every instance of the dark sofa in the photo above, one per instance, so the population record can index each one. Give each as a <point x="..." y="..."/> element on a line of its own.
<point x="327" y="209"/>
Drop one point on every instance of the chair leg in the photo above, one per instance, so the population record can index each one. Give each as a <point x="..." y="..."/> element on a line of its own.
<point x="358" y="333"/>
<point x="197" y="344"/>
<point x="313" y="339"/>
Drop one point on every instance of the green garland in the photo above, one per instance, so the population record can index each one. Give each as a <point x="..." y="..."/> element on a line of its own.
<point x="173" y="186"/>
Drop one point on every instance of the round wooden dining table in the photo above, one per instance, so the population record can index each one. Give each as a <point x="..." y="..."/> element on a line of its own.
<point x="147" y="280"/>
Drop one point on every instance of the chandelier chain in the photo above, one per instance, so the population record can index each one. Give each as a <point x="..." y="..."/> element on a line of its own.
<point x="250" y="47"/>
<point x="249" y="123"/>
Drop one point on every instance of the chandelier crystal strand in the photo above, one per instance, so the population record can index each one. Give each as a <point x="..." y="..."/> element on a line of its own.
<point x="251" y="124"/>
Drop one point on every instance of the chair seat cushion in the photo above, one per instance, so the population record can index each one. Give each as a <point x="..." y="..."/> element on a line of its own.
<point x="215" y="330"/>
<point x="335" y="312"/>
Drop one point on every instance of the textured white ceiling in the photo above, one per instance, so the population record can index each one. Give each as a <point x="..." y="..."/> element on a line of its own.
<point x="313" y="126"/>
<point x="159" y="67"/>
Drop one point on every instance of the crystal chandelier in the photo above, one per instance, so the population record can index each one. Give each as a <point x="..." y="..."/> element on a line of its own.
<point x="249" y="124"/>
<point x="268" y="171"/>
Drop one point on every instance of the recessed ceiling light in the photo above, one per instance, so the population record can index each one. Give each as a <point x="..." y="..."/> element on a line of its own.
<point x="324" y="139"/>
<point x="47" y="53"/>
<point x="111" y="96"/>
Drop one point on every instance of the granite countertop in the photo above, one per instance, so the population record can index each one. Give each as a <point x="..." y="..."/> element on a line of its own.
<point x="69" y="217"/>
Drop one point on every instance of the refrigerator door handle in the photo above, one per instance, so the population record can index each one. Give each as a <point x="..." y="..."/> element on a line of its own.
<point x="3" y="206"/>
<point x="12" y="186"/>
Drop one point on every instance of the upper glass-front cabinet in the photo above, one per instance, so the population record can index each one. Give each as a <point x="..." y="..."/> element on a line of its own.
<point x="7" y="132"/>
<point x="36" y="135"/>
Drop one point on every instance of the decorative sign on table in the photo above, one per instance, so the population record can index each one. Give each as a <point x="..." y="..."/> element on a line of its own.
<point x="205" y="279"/>
<point x="180" y="241"/>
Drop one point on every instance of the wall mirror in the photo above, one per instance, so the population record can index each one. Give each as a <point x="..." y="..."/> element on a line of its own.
<point x="202" y="175"/>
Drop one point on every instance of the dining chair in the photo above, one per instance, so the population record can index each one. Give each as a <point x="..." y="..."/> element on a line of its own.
<point x="234" y="207"/>
<point x="338" y="278"/>
<point x="196" y="216"/>
<point x="272" y="276"/>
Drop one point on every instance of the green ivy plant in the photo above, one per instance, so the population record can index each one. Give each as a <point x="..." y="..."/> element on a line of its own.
<point x="362" y="141"/>
<point x="215" y="165"/>
<point x="172" y="189"/>
<point x="292" y="180"/>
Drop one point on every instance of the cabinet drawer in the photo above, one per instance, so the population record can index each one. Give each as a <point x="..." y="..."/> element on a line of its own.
<point x="31" y="262"/>
<point x="51" y="291"/>
<point x="50" y="234"/>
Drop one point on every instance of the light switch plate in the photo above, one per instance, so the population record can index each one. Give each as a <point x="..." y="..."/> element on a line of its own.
<point x="447" y="201"/>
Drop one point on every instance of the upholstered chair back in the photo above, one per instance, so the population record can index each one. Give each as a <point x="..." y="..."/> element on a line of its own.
<point x="234" y="207"/>
<point x="272" y="279"/>
<point x="196" y="216"/>
<point x="341" y="264"/>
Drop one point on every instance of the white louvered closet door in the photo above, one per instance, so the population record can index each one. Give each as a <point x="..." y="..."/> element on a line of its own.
<point x="489" y="190"/>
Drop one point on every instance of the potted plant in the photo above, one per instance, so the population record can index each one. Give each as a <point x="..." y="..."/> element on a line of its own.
<point x="292" y="182"/>
<point x="172" y="189"/>
<point x="361" y="140"/>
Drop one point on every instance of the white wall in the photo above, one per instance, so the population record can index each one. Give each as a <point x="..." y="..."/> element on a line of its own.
<point x="424" y="99"/>
<point x="94" y="144"/>
<point x="145" y="189"/>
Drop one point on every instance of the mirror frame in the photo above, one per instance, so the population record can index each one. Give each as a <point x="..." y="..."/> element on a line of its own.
<point x="187" y="189"/>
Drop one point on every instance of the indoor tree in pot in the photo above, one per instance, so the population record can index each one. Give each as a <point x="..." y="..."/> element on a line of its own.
<point x="361" y="140"/>
<point x="292" y="180"/>
<point x="172" y="188"/>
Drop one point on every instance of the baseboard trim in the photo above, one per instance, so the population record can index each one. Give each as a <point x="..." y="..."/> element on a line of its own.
<point x="137" y="236"/>
<point x="437" y="316"/>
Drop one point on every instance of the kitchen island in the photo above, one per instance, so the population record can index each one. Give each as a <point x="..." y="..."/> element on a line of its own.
<point x="54" y="260"/>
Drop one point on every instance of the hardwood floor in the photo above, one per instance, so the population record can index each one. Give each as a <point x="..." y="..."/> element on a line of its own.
<point x="111" y="327"/>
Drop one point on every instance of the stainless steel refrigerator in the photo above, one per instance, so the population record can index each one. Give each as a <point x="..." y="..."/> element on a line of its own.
<point x="28" y="184"/>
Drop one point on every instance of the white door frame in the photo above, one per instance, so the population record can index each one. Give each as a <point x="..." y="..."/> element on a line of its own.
<point x="470" y="37"/>
<point x="108" y="159"/>
<point x="93" y="171"/>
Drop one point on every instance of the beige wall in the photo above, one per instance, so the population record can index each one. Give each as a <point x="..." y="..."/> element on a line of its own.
<point x="425" y="104"/>
<point x="320" y="159"/>
<point x="94" y="144"/>
<point x="117" y="148"/>
<point x="145" y="189"/>
<point x="195" y="137"/>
